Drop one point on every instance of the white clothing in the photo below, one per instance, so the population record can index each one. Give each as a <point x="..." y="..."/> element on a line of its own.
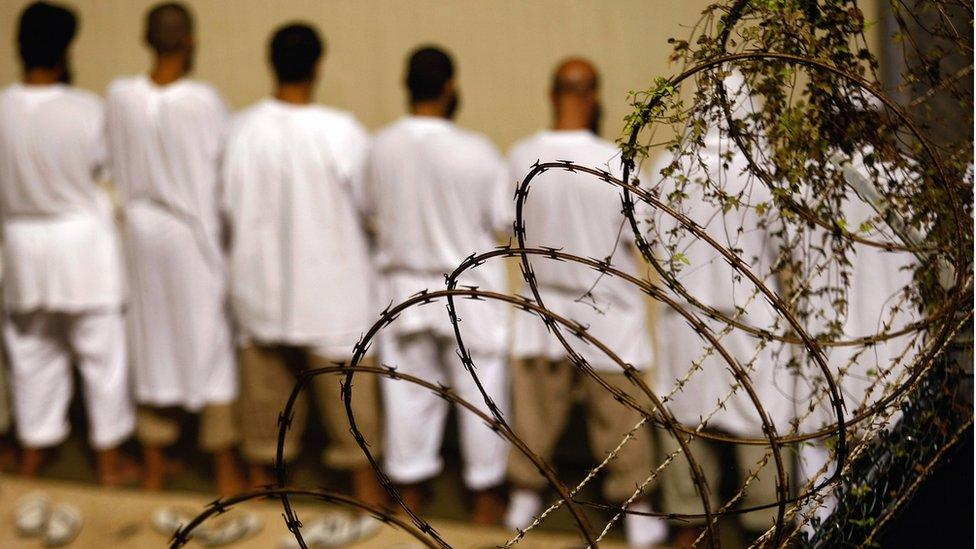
<point x="60" y="247"/>
<point x="165" y="145"/>
<point x="709" y="278"/>
<point x="875" y="301"/>
<point x="299" y="265"/>
<point x="414" y="416"/>
<point x="438" y="194"/>
<point x="41" y="346"/>
<point x="435" y="192"/>
<point x="581" y="215"/>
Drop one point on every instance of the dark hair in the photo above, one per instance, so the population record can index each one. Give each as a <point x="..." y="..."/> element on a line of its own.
<point x="167" y="27"/>
<point x="295" y="48"/>
<point x="44" y="33"/>
<point x="428" y="70"/>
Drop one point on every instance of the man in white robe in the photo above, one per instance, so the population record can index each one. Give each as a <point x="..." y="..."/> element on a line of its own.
<point x="876" y="296"/>
<point x="581" y="215"/>
<point x="438" y="193"/>
<point x="166" y="136"/>
<point x="63" y="289"/>
<point x="706" y="393"/>
<point x="301" y="275"/>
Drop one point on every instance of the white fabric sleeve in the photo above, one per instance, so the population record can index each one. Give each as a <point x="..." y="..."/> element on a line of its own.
<point x="355" y="159"/>
<point x="99" y="145"/>
<point x="503" y="201"/>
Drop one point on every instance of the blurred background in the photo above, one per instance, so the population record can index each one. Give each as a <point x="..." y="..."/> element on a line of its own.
<point x="505" y="50"/>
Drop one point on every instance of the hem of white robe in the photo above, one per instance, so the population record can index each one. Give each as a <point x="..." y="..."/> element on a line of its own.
<point x="414" y="472"/>
<point x="114" y="436"/>
<point x="46" y="440"/>
<point x="482" y="478"/>
<point x="110" y="306"/>
<point x="734" y="430"/>
<point x="175" y="400"/>
<point x="337" y="351"/>
<point x="599" y="367"/>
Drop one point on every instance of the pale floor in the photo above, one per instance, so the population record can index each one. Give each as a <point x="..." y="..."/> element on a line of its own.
<point x="120" y="518"/>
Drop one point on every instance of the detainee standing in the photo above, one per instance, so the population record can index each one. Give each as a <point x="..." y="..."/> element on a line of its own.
<point x="63" y="290"/>
<point x="436" y="194"/>
<point x="166" y="136"/>
<point x="581" y="215"/>
<point x="300" y="270"/>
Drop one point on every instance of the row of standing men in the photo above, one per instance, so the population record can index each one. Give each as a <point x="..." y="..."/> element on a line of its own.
<point x="309" y="226"/>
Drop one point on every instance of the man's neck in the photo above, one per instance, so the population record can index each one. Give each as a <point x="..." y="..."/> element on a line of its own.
<point x="294" y="93"/>
<point x="42" y="76"/>
<point x="168" y="69"/>
<point x="570" y="123"/>
<point x="433" y="109"/>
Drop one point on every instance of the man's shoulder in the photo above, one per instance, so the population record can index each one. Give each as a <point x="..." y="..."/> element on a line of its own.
<point x="82" y="99"/>
<point x="336" y="118"/>
<point x="252" y="117"/>
<point x="525" y="144"/>
<point x="390" y="133"/>
<point x="122" y="85"/>
<point x="202" y="91"/>
<point x="475" y="142"/>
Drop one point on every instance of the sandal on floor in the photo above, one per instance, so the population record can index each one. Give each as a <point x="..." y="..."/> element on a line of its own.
<point x="334" y="530"/>
<point x="31" y="514"/>
<point x="238" y="526"/>
<point x="167" y="520"/>
<point x="63" y="526"/>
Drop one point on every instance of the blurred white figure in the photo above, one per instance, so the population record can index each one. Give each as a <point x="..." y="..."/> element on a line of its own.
<point x="581" y="215"/>
<point x="695" y="189"/>
<point x="63" y="289"/>
<point x="166" y="136"/>
<point x="878" y="300"/>
<point x="300" y="270"/>
<point x="438" y="193"/>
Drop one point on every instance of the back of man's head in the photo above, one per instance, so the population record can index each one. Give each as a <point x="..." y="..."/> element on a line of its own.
<point x="44" y="33"/>
<point x="428" y="70"/>
<point x="295" y="50"/>
<point x="575" y="76"/>
<point x="169" y="28"/>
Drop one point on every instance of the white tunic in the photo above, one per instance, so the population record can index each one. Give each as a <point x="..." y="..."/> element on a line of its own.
<point x="300" y="268"/>
<point x="60" y="246"/>
<point x="877" y="298"/>
<point x="437" y="194"/>
<point x="166" y="144"/>
<point x="582" y="215"/>
<point x="708" y="277"/>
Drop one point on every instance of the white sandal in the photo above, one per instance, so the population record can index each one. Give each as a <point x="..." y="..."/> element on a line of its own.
<point x="63" y="526"/>
<point x="238" y="526"/>
<point x="334" y="530"/>
<point x="167" y="520"/>
<point x="31" y="514"/>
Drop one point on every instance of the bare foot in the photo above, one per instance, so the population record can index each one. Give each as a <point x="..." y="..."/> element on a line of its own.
<point x="489" y="506"/>
<point x="156" y="467"/>
<point x="114" y="469"/>
<point x="686" y="536"/>
<point x="8" y="456"/>
<point x="228" y="479"/>
<point x="31" y="461"/>
<point x="414" y="496"/>
<point x="367" y="488"/>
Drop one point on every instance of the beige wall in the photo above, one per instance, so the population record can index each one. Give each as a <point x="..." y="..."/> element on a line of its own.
<point x="504" y="49"/>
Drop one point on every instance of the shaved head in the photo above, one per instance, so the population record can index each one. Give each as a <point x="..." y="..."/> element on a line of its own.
<point x="575" y="75"/>
<point x="169" y="28"/>
<point x="575" y="95"/>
